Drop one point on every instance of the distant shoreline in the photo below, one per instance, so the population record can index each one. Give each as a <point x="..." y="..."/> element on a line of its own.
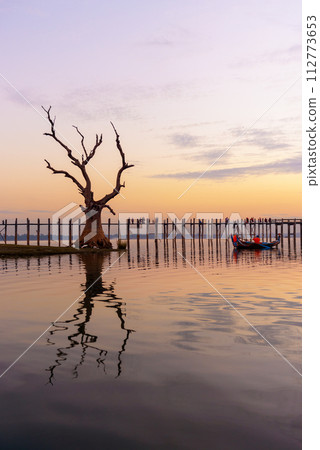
<point x="34" y="250"/>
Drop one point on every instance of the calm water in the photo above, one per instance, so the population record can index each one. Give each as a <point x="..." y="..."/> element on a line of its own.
<point x="151" y="356"/>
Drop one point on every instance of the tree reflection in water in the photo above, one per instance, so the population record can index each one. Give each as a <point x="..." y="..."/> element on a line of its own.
<point x="94" y="291"/>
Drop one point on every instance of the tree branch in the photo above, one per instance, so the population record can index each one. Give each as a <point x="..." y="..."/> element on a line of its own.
<point x="119" y="145"/>
<point x="110" y="209"/>
<point x="74" y="160"/>
<point x="86" y="156"/>
<point x="82" y="142"/>
<point x="66" y="174"/>
<point x="125" y="166"/>
<point x="85" y="191"/>
<point x="93" y="151"/>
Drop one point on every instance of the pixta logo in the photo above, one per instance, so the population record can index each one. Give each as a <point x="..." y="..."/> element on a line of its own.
<point x="67" y="225"/>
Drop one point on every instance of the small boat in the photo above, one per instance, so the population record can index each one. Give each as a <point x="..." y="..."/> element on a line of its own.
<point x="241" y="243"/>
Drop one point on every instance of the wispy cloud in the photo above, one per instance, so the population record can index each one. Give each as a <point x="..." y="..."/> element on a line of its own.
<point x="278" y="56"/>
<point x="253" y="143"/>
<point x="30" y="94"/>
<point x="211" y="155"/>
<point x="184" y="140"/>
<point x="194" y="148"/>
<point x="117" y="101"/>
<point x="160" y="42"/>
<point x="194" y="125"/>
<point x="40" y="210"/>
<point x="9" y="211"/>
<point x="263" y="139"/>
<point x="172" y="36"/>
<point x="289" y="165"/>
<point x="13" y="211"/>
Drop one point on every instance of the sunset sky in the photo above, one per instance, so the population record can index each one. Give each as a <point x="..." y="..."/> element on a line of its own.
<point x="181" y="80"/>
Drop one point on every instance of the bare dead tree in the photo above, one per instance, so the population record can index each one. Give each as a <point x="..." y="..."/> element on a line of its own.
<point x="93" y="208"/>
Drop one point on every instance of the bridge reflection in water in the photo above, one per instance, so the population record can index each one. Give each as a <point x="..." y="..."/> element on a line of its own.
<point x="177" y="252"/>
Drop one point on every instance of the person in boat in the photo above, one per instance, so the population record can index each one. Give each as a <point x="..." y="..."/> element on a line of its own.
<point x="257" y="240"/>
<point x="234" y="238"/>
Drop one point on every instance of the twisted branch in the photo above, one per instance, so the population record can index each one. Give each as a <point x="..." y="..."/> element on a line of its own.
<point x="66" y="174"/>
<point x="74" y="160"/>
<point x="110" y="209"/>
<point x="82" y="142"/>
<point x="93" y="151"/>
<point x="125" y="166"/>
<point x="85" y="158"/>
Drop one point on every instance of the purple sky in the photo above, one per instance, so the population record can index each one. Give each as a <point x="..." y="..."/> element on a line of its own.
<point x="182" y="80"/>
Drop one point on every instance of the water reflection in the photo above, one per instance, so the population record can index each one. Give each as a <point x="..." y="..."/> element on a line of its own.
<point x="212" y="252"/>
<point x="76" y="329"/>
<point x="194" y="375"/>
<point x="162" y="253"/>
<point x="165" y="253"/>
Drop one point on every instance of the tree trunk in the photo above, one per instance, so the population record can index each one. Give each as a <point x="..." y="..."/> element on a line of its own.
<point x="93" y="236"/>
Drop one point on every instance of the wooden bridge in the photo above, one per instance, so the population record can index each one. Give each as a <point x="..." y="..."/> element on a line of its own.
<point x="66" y="233"/>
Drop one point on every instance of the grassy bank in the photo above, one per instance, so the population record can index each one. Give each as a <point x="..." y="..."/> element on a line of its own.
<point x="34" y="250"/>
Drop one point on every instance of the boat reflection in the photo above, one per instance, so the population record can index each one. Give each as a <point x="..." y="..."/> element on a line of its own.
<point x="76" y="328"/>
